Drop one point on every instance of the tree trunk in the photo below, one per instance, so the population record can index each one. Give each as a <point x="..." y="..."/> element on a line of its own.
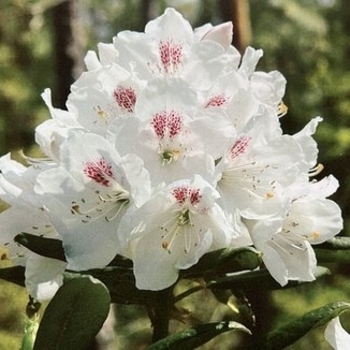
<point x="237" y="12"/>
<point x="145" y="6"/>
<point x="68" y="48"/>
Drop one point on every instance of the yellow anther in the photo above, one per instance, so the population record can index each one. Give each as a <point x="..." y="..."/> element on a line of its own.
<point x="316" y="170"/>
<point x="315" y="235"/>
<point x="282" y="110"/>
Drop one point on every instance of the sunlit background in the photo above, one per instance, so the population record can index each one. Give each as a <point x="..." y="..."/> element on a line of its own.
<point x="43" y="43"/>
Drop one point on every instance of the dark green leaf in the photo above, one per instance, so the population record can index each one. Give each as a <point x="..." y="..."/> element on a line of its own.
<point x="330" y="255"/>
<point x="294" y="330"/>
<point x="257" y="280"/>
<point x="224" y="261"/>
<point x="196" y="336"/>
<point x="339" y="242"/>
<point x="14" y="274"/>
<point x="120" y="282"/>
<point x="121" y="261"/>
<point x="48" y="247"/>
<point x="74" y="316"/>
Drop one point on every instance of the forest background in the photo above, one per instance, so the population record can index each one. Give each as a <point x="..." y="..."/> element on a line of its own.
<point x="43" y="43"/>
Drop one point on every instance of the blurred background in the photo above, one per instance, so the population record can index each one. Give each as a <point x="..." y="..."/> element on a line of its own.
<point x="43" y="43"/>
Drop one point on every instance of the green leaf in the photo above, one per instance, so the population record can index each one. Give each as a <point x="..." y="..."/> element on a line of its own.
<point x="332" y="256"/>
<point x="258" y="280"/>
<point x="335" y="250"/>
<point x="339" y="242"/>
<point x="48" y="247"/>
<point x="74" y="316"/>
<point x="224" y="261"/>
<point x="121" y="261"/>
<point x="14" y="274"/>
<point x="196" y="336"/>
<point x="294" y="330"/>
<point x="120" y="282"/>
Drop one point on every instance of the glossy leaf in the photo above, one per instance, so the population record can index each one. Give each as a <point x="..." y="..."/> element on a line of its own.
<point x="332" y="256"/>
<point x="74" y="316"/>
<point x="297" y="328"/>
<point x="257" y="280"/>
<point x="196" y="336"/>
<point x="224" y="261"/>
<point x="338" y="242"/>
<point x="120" y="283"/>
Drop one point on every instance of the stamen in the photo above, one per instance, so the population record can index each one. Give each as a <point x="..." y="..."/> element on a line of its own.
<point x="316" y="170"/>
<point x="115" y="201"/>
<point x="282" y="110"/>
<point x="315" y="235"/>
<point x="101" y="113"/>
<point x="122" y="205"/>
<point x="170" y="155"/>
<point x="176" y="223"/>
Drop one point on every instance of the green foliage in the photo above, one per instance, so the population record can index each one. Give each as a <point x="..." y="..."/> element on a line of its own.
<point x="308" y="42"/>
<point x="24" y="62"/>
<point x="194" y="337"/>
<point x="74" y="316"/>
<point x="297" y="328"/>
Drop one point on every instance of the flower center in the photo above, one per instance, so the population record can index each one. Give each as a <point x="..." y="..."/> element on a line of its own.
<point x="179" y="224"/>
<point x="187" y="194"/>
<point x="125" y="98"/>
<point x="100" y="171"/>
<point x="167" y="124"/>
<point x="240" y="146"/>
<point x="171" y="55"/>
<point x="107" y="205"/>
<point x="216" y="101"/>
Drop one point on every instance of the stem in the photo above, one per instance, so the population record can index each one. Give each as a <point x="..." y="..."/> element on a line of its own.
<point x="188" y="292"/>
<point x="159" y="306"/>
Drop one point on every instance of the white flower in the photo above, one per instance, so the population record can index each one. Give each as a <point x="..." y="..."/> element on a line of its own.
<point x="169" y="48"/>
<point x="174" y="229"/>
<point x="17" y="181"/>
<point x="88" y="194"/>
<point x="309" y="145"/>
<point x="51" y="133"/>
<point x="268" y="88"/>
<point x="258" y="164"/>
<point x="221" y="34"/>
<point x="102" y="96"/>
<point x="174" y="135"/>
<point x="286" y="240"/>
<point x="336" y="336"/>
<point x="230" y="93"/>
<point x="171" y="147"/>
<point x="43" y="276"/>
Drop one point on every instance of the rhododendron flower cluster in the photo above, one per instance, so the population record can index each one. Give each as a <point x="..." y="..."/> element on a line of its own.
<point x="170" y="147"/>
